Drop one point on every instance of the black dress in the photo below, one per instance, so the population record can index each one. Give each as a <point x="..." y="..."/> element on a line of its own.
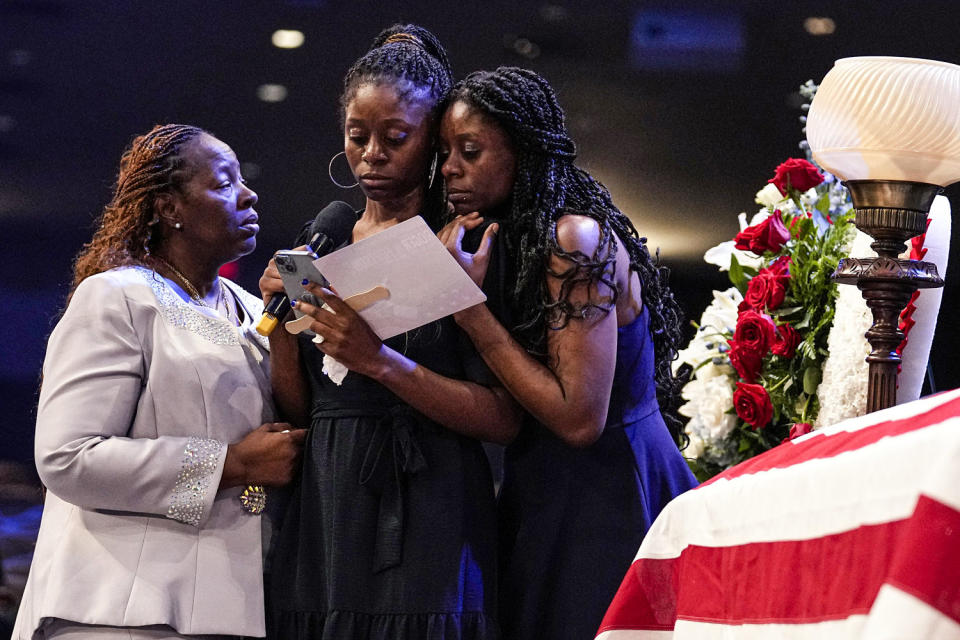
<point x="391" y="530"/>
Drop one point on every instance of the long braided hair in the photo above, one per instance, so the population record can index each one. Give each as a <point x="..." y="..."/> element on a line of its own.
<point x="547" y="185"/>
<point x="411" y="59"/>
<point x="153" y="164"/>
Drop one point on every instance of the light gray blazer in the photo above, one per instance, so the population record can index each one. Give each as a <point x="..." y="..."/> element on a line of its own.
<point x="141" y="393"/>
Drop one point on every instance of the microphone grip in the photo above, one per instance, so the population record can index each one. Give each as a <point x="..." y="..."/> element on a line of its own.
<point x="279" y="305"/>
<point x="273" y="313"/>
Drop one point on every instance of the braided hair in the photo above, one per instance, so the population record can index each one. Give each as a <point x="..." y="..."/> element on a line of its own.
<point x="153" y="164"/>
<point x="411" y="59"/>
<point x="547" y="185"/>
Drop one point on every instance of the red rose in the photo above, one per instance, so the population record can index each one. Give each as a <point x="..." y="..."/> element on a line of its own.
<point x="752" y="403"/>
<point x="751" y="341"/>
<point x="766" y="290"/>
<point x="797" y="174"/>
<point x="798" y="429"/>
<point x="745" y="361"/>
<point x="744" y="239"/>
<point x="769" y="235"/>
<point x="781" y="266"/>
<point x="786" y="341"/>
<point x="754" y="331"/>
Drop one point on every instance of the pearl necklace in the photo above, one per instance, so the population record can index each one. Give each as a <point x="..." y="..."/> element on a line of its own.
<point x="194" y="294"/>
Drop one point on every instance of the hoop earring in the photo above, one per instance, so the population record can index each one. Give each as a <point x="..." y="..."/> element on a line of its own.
<point x="330" y="173"/>
<point x="433" y="171"/>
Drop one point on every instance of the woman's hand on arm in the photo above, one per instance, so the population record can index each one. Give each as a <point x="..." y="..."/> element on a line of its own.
<point x="475" y="264"/>
<point x="291" y="392"/>
<point x="571" y="393"/>
<point x="465" y="407"/>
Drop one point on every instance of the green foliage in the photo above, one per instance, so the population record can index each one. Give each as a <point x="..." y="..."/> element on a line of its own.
<point x="809" y="307"/>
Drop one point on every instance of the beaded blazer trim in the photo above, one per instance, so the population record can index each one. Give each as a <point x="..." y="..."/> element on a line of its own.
<point x="200" y="460"/>
<point x="180" y="314"/>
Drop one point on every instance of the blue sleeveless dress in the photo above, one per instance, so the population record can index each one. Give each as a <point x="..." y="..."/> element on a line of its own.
<point x="571" y="520"/>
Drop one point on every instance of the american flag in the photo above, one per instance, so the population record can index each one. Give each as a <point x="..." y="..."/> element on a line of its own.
<point x="852" y="531"/>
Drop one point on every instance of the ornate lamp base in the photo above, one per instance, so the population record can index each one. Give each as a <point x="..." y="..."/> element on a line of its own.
<point x="891" y="212"/>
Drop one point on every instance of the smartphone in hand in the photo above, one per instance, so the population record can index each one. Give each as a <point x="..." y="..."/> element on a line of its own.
<point x="295" y="266"/>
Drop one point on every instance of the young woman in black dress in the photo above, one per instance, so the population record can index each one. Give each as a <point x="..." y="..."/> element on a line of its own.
<point x="391" y="531"/>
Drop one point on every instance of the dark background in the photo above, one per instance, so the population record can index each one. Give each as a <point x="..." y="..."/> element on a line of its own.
<point x="683" y="108"/>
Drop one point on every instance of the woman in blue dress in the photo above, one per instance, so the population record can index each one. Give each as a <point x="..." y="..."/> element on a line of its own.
<point x="586" y="333"/>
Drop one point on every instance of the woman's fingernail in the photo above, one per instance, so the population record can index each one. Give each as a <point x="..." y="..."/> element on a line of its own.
<point x="293" y="302"/>
<point x="304" y="281"/>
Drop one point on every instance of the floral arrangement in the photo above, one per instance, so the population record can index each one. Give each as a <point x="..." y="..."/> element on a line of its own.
<point x="758" y="354"/>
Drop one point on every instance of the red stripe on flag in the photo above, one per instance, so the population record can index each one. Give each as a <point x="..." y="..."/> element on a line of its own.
<point x="792" y="452"/>
<point x="797" y="581"/>
<point x="927" y="563"/>
<point x="646" y="599"/>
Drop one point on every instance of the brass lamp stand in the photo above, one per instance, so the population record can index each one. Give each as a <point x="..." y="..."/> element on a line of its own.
<point x="891" y="212"/>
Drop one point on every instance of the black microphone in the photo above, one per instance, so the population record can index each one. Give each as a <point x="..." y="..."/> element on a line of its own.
<point x="331" y="228"/>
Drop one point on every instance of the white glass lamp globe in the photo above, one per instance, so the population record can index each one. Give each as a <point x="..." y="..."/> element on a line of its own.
<point x="886" y="118"/>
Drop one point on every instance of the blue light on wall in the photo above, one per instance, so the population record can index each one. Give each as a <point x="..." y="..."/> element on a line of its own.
<point x="664" y="39"/>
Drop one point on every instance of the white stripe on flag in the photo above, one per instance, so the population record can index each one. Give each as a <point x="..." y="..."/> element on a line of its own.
<point x="896" y="412"/>
<point x="630" y="634"/>
<point x="872" y="485"/>
<point x="829" y="630"/>
<point x="896" y="615"/>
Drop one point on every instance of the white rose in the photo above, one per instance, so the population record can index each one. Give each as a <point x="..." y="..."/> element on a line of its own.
<point x="722" y="313"/>
<point x="769" y="196"/>
<point x="720" y="256"/>
<point x="711" y="370"/>
<point x="695" y="448"/>
<point x="717" y="399"/>
<point x="708" y="401"/>
<point x="695" y="353"/>
<point x="788" y="206"/>
<point x="689" y="410"/>
<point x="761" y="215"/>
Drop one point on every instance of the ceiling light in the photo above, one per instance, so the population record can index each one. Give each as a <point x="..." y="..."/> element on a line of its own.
<point x="554" y="13"/>
<point x="525" y="48"/>
<point x="19" y="57"/>
<point x="819" y="26"/>
<point x="272" y="92"/>
<point x="287" y="38"/>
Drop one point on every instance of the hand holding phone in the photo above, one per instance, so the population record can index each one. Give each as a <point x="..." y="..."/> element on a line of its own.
<point x="295" y="266"/>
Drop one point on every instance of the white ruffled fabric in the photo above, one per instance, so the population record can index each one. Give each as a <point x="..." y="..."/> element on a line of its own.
<point x="917" y="351"/>
<point x="332" y="368"/>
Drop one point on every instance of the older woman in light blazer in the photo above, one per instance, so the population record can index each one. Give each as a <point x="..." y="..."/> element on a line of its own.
<point x="155" y="427"/>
